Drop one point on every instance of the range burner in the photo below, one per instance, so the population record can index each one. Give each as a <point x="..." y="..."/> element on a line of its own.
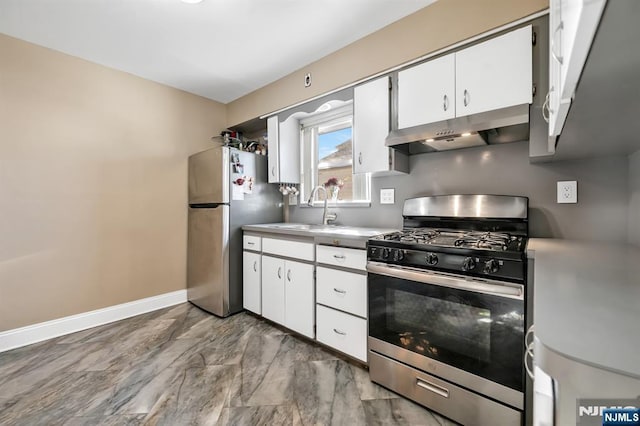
<point x="497" y="241"/>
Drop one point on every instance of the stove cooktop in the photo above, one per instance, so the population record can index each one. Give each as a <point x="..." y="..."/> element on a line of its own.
<point x="432" y="238"/>
<point x="492" y="255"/>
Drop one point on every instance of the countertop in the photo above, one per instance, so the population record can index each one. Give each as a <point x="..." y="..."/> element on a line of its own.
<point x="319" y="231"/>
<point x="587" y="301"/>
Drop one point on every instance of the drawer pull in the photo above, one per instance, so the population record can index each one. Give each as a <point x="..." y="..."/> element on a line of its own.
<point x="339" y="256"/>
<point x="432" y="387"/>
<point x="342" y="333"/>
<point x="251" y="243"/>
<point x="337" y="290"/>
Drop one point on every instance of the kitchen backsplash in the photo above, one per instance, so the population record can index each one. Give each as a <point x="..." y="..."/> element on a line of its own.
<point x="603" y="194"/>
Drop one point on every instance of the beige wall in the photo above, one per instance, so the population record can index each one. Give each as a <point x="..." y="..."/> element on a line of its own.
<point x="92" y="183"/>
<point x="435" y="27"/>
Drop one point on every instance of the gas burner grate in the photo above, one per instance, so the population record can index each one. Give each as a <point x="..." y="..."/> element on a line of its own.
<point x="497" y="241"/>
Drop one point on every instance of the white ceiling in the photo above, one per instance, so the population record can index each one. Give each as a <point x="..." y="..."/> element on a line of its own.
<point x="219" y="49"/>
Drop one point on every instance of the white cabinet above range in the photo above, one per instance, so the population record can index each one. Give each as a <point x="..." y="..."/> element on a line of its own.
<point x="490" y="75"/>
<point x="426" y="92"/>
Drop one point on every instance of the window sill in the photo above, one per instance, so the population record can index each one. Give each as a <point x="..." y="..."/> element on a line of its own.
<point x="336" y="205"/>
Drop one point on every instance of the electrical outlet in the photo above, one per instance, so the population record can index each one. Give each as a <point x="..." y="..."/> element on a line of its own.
<point x="568" y="192"/>
<point x="293" y="199"/>
<point x="387" y="196"/>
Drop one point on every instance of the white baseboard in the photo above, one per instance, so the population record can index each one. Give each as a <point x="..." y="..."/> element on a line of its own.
<point x="23" y="336"/>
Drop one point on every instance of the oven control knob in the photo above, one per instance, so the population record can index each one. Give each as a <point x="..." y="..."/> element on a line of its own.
<point x="491" y="266"/>
<point x="432" y="259"/>
<point x="398" y="255"/>
<point x="385" y="253"/>
<point x="468" y="264"/>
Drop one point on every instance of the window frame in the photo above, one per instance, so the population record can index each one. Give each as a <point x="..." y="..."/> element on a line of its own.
<point x="330" y="120"/>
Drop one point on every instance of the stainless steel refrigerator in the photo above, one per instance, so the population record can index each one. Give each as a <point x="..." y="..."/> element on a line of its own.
<point x="227" y="189"/>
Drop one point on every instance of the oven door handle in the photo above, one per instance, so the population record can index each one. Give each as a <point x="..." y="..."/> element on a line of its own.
<point x="496" y="288"/>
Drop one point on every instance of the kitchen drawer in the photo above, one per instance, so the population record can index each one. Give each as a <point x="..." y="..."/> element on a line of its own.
<point x="341" y="331"/>
<point x="251" y="242"/>
<point x="288" y="248"/>
<point x="340" y="256"/>
<point x="457" y="403"/>
<point x="342" y="290"/>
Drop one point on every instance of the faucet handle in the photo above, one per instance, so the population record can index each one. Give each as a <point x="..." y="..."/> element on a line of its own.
<point x="331" y="217"/>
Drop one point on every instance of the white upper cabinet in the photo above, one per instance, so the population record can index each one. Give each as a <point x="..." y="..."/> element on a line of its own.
<point x="495" y="74"/>
<point x="371" y="116"/>
<point x="426" y="92"/>
<point x="572" y="27"/>
<point x="284" y="150"/>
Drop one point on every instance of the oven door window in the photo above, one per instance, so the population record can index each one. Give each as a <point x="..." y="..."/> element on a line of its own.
<point x="479" y="333"/>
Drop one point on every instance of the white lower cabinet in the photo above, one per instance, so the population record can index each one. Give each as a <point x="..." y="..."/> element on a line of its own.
<point x="287" y="294"/>
<point x="273" y="289"/>
<point x="251" y="282"/>
<point x="344" y="332"/>
<point x="298" y="298"/>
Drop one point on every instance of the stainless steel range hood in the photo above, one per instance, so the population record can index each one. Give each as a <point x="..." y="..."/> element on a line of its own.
<point x="499" y="126"/>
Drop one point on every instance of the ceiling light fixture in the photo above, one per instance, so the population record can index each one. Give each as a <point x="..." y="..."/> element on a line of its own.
<point x="191" y="1"/>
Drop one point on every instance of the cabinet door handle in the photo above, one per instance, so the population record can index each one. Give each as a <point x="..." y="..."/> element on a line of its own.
<point x="342" y="333"/>
<point x="445" y="103"/>
<point x="552" y="47"/>
<point x="339" y="256"/>
<point x="255" y="266"/>
<point x="273" y="170"/>
<point x="444" y="392"/>
<point x="289" y="275"/>
<point x="466" y="99"/>
<point x="279" y="272"/>
<point x="337" y="290"/>
<point x="360" y="158"/>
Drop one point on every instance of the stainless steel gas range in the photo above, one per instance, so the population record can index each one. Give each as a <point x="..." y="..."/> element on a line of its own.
<point x="447" y="306"/>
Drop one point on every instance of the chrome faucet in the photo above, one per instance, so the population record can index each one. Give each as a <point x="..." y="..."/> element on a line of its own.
<point x="326" y="217"/>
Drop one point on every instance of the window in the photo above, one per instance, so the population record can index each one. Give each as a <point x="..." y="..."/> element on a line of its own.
<point x="327" y="158"/>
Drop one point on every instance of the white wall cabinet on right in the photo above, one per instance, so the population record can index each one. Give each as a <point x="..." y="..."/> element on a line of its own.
<point x="494" y="74"/>
<point x="572" y="27"/>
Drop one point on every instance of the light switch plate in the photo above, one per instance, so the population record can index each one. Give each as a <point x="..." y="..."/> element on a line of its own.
<point x="293" y="199"/>
<point x="387" y="196"/>
<point x="568" y="192"/>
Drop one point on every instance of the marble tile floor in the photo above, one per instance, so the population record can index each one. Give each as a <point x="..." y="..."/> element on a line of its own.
<point x="183" y="366"/>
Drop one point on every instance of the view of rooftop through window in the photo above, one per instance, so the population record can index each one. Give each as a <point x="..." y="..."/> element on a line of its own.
<point x="335" y="160"/>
